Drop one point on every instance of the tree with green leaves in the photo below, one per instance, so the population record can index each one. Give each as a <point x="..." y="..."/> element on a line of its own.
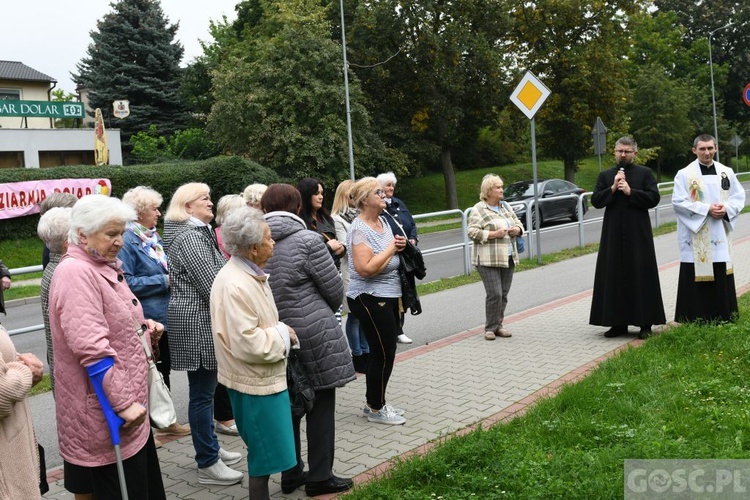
<point x="659" y="112"/>
<point x="577" y="49"/>
<point x="729" y="20"/>
<point x="664" y="104"/>
<point x="279" y="97"/>
<point x="434" y="71"/>
<point x="134" y="56"/>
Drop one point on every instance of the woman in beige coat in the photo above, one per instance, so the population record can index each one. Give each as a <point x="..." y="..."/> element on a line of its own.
<point x="19" y="456"/>
<point x="252" y="346"/>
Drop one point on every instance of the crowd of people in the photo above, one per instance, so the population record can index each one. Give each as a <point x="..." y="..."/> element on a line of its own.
<point x="230" y="305"/>
<point x="226" y="305"/>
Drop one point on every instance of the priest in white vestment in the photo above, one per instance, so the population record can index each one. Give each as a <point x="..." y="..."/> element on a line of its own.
<point x="707" y="199"/>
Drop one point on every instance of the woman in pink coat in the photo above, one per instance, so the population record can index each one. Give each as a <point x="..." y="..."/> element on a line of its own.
<point x="94" y="315"/>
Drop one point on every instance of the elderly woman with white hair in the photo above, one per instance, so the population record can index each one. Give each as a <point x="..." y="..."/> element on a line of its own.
<point x="194" y="262"/>
<point x="94" y="315"/>
<point x="493" y="226"/>
<point x="253" y="193"/>
<point x="226" y="204"/>
<point x="401" y="222"/>
<point x="146" y="271"/>
<point x="252" y="346"/>
<point x="53" y="231"/>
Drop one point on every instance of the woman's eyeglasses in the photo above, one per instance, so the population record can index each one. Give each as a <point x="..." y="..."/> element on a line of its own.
<point x="380" y="192"/>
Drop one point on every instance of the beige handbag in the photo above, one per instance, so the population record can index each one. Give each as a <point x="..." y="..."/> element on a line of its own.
<point x="160" y="406"/>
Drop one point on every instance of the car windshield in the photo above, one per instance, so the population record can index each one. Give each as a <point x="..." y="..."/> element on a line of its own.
<point x="520" y="189"/>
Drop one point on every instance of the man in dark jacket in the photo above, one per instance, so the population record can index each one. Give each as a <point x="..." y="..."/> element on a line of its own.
<point x="626" y="283"/>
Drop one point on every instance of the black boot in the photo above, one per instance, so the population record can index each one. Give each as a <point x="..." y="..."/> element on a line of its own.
<point x="616" y="331"/>
<point x="645" y="332"/>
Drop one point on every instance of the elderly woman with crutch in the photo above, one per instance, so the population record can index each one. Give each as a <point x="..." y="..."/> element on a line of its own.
<point x="94" y="315"/>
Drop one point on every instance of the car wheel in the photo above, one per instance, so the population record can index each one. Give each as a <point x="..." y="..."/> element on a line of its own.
<point x="533" y="218"/>
<point x="574" y="215"/>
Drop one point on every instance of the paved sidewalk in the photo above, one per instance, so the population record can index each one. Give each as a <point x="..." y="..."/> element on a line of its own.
<point x="449" y="385"/>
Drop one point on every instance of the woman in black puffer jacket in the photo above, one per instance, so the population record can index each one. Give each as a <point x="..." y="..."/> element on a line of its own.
<point x="308" y="289"/>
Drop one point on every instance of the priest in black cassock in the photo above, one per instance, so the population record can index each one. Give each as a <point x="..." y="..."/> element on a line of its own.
<point x="626" y="283"/>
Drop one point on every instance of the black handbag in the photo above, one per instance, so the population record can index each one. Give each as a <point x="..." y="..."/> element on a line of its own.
<point x="301" y="392"/>
<point x="413" y="260"/>
<point x="409" y="296"/>
<point x="411" y="255"/>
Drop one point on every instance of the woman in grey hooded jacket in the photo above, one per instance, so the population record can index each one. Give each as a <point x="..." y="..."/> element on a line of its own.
<point x="308" y="290"/>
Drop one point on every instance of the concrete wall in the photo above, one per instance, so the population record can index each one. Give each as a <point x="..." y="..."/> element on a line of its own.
<point x="32" y="141"/>
<point x="30" y="91"/>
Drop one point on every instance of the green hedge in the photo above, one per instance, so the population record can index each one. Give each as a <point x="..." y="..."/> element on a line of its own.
<point x="224" y="174"/>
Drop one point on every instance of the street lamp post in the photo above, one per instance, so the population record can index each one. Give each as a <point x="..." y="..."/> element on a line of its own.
<point x="713" y="94"/>
<point x="346" y="95"/>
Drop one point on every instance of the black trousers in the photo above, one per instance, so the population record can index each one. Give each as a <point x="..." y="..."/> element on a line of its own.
<point x="222" y="405"/>
<point x="379" y="319"/>
<point x="321" y="438"/>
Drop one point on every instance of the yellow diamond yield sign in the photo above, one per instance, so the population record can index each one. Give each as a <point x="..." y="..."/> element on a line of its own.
<point x="530" y="94"/>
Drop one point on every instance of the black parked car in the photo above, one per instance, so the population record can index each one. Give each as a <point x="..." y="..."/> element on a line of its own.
<point x="551" y="205"/>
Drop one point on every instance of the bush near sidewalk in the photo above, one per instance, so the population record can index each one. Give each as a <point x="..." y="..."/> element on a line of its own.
<point x="684" y="394"/>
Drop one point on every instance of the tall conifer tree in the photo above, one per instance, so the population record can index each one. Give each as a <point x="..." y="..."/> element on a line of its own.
<point x="134" y="56"/>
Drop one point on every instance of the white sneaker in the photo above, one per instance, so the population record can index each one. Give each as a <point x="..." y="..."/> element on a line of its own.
<point x="229" y="457"/>
<point x="387" y="416"/>
<point x="395" y="409"/>
<point x="220" y="474"/>
<point x="403" y="339"/>
<point x="229" y="430"/>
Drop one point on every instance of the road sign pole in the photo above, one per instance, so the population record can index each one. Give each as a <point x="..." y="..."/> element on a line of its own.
<point x="529" y="96"/>
<point x="536" y="194"/>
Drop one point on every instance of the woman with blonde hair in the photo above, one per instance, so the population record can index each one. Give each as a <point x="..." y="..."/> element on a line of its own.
<point x="374" y="294"/>
<point x="195" y="260"/>
<point x="493" y="226"/>
<point x="343" y="213"/>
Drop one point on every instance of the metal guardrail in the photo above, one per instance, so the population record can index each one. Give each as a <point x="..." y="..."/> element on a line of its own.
<point x="18" y="272"/>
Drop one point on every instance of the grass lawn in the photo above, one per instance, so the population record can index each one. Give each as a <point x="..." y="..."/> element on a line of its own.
<point x="684" y="394"/>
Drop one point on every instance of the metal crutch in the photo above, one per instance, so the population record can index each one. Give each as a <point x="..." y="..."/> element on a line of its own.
<point x="96" y="373"/>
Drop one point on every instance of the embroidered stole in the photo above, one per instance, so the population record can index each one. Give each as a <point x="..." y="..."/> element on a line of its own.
<point x="701" y="240"/>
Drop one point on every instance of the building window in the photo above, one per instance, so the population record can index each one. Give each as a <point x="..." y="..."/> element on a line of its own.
<point x="10" y="95"/>
<point x="49" y="159"/>
<point x="11" y="159"/>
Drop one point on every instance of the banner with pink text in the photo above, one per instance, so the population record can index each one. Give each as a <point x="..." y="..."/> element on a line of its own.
<point x="22" y="198"/>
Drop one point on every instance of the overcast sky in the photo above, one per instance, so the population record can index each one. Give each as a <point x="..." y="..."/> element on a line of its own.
<point x="52" y="36"/>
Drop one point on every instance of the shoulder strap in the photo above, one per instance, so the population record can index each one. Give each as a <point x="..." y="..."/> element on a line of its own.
<point x="141" y="331"/>
<point x="397" y="223"/>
